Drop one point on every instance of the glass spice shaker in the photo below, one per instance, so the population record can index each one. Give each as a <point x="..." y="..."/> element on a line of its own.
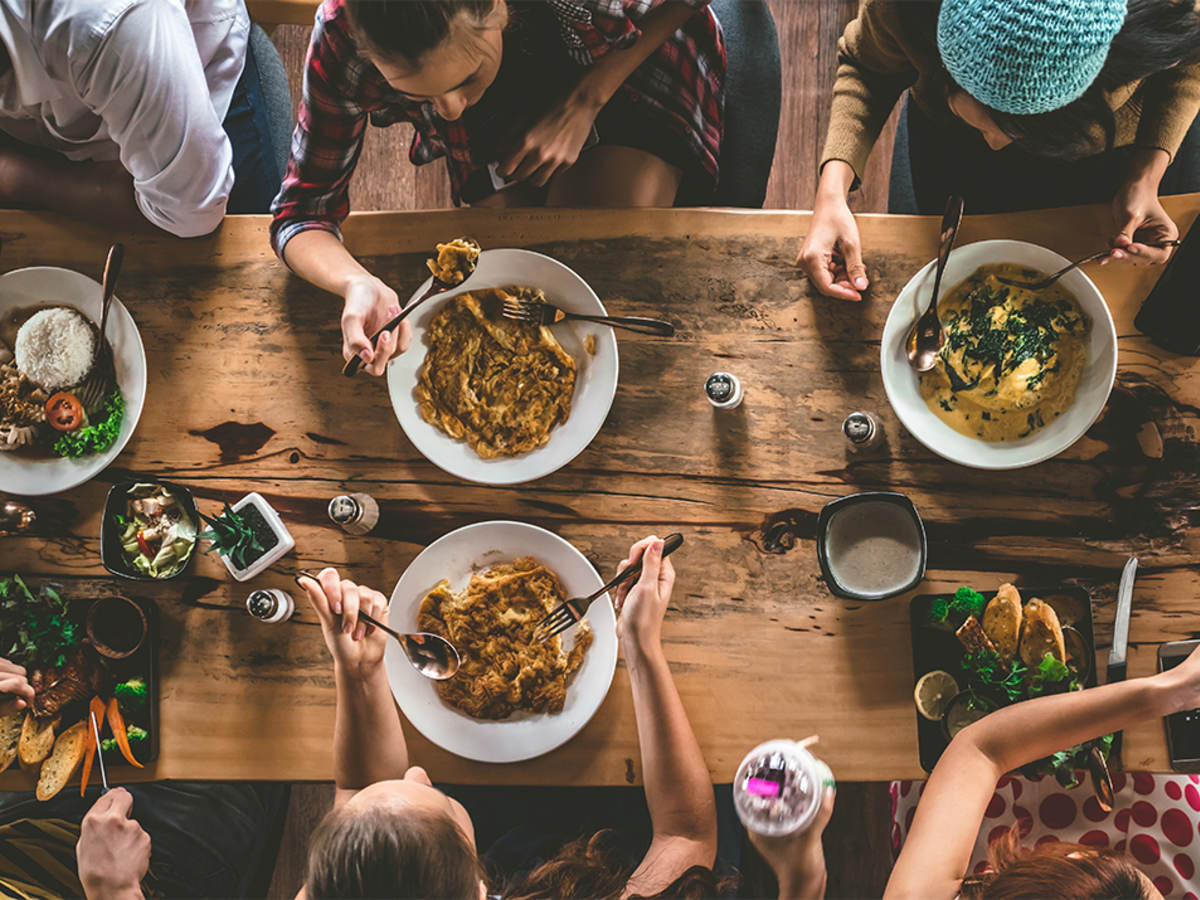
<point x="354" y="513"/>
<point x="724" y="391"/>
<point x="271" y="605"/>
<point x="861" y="430"/>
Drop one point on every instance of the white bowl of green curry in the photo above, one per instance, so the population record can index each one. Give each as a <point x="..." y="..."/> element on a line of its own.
<point x="1023" y="374"/>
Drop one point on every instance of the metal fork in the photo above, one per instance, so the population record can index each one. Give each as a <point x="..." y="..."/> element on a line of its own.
<point x="539" y="312"/>
<point x="1050" y="279"/>
<point x="571" y="611"/>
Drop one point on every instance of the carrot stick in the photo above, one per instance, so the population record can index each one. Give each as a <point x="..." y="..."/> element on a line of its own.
<point x="117" y="723"/>
<point x="90" y="748"/>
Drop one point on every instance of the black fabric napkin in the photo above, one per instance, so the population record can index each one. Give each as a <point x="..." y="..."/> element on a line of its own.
<point x="1171" y="314"/>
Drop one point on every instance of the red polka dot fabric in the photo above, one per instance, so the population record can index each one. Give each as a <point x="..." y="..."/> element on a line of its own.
<point x="1155" y="819"/>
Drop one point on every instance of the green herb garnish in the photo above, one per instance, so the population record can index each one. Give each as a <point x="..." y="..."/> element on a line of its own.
<point x="98" y="436"/>
<point x="40" y="627"/>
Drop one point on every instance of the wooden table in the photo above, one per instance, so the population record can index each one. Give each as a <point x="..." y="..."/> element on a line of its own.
<point x="245" y="395"/>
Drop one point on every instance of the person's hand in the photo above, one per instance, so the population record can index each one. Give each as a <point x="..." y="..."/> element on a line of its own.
<point x="798" y="860"/>
<point x="642" y="605"/>
<point x="831" y="253"/>
<point x="113" y="851"/>
<point x="369" y="305"/>
<point x="1139" y="217"/>
<point x="356" y="647"/>
<point x="16" y="693"/>
<point x="552" y="144"/>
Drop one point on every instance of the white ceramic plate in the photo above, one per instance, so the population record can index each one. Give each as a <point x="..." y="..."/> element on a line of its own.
<point x="900" y="379"/>
<point x="523" y="735"/>
<point x="48" y="284"/>
<point x="595" y="380"/>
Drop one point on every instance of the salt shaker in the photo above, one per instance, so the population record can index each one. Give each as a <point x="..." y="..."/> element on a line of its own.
<point x="354" y="513"/>
<point x="861" y="430"/>
<point x="724" y="391"/>
<point x="271" y="605"/>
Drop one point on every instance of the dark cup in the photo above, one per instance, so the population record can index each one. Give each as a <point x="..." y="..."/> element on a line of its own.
<point x="834" y="508"/>
<point x="116" y="626"/>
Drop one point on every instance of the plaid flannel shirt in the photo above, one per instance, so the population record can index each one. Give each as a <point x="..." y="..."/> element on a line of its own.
<point x="683" y="79"/>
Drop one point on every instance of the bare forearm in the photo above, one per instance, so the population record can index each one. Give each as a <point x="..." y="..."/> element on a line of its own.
<point x="678" y="787"/>
<point x="319" y="257"/>
<point x="601" y="81"/>
<point x="368" y="739"/>
<point x="1148" y="164"/>
<point x="95" y="192"/>
<point x="1017" y="735"/>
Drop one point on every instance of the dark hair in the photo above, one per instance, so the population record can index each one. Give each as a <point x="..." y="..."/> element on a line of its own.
<point x="398" y="853"/>
<point x="405" y="30"/>
<point x="1156" y="35"/>
<point x="1060" y="870"/>
<point x="592" y="867"/>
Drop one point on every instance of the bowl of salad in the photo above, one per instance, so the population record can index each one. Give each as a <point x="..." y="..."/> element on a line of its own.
<point x="148" y="532"/>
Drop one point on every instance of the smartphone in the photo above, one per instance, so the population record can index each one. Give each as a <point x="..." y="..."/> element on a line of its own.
<point x="1183" y="729"/>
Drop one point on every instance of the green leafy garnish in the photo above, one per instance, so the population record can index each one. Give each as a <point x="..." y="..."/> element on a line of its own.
<point x="135" y="735"/>
<point x="987" y="672"/>
<point x="99" y="435"/>
<point x="39" y="625"/>
<point x="131" y="694"/>
<point x="938" y="611"/>
<point x="1050" y="672"/>
<point x="967" y="602"/>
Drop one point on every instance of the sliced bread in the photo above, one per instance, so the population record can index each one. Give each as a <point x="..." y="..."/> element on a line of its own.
<point x="61" y="764"/>
<point x="37" y="739"/>
<point x="11" y="727"/>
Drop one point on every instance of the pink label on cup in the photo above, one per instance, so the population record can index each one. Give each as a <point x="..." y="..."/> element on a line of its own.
<point x="761" y="787"/>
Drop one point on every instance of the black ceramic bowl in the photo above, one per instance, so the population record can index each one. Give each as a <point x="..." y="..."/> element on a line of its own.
<point x="834" y="507"/>
<point x="112" y="556"/>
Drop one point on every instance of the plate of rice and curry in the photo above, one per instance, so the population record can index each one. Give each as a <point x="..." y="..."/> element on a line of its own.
<point x="496" y="401"/>
<point x="484" y="588"/>
<point x="1023" y="374"/>
<point x="69" y="397"/>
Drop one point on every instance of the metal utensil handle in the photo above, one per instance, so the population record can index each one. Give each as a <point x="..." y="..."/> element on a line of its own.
<point x="640" y="324"/>
<point x="951" y="219"/>
<point x="99" y="753"/>
<point x="384" y="628"/>
<point x="671" y="543"/>
<point x="354" y="363"/>
<point x="112" y="268"/>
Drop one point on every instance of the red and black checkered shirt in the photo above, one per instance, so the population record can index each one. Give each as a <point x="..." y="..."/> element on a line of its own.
<point x="683" y="79"/>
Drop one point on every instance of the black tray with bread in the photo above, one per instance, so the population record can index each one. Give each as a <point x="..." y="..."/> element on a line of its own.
<point x="80" y="646"/>
<point x="1029" y="642"/>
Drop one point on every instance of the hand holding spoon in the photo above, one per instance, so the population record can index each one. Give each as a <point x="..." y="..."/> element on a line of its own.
<point x="927" y="336"/>
<point x="431" y="655"/>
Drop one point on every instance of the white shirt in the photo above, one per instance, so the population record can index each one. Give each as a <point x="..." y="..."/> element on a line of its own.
<point x="147" y="82"/>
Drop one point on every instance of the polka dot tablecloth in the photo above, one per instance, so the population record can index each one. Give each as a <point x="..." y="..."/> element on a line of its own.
<point x="1155" y="819"/>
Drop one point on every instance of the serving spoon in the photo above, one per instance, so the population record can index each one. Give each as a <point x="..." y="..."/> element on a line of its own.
<point x="430" y="654"/>
<point x="927" y="336"/>
<point x="354" y="363"/>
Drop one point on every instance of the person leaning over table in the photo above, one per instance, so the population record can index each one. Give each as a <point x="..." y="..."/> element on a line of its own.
<point x="1015" y="106"/>
<point x="127" y="112"/>
<point x="571" y="103"/>
<point x="392" y="833"/>
<point x="178" y="839"/>
<point x="967" y="835"/>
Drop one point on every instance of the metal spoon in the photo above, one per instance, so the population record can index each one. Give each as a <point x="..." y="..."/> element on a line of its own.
<point x="927" y="337"/>
<point x="430" y="654"/>
<point x="1050" y="279"/>
<point x="354" y="363"/>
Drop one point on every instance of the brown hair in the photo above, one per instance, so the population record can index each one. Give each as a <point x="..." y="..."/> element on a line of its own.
<point x="382" y="852"/>
<point x="405" y="30"/>
<point x="592" y="867"/>
<point x="1061" y="870"/>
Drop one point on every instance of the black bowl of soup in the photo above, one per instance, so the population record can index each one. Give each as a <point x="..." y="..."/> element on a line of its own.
<point x="871" y="546"/>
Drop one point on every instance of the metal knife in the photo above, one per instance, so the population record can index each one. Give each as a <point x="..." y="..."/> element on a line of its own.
<point x="99" y="754"/>
<point x="1120" y="643"/>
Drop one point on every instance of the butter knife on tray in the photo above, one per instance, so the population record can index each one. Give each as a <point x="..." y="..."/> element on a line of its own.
<point x="1120" y="642"/>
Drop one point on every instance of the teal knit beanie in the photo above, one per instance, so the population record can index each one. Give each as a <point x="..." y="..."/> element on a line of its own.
<point x="1025" y="57"/>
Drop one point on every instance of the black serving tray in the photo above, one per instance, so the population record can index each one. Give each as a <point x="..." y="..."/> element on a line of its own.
<point x="143" y="663"/>
<point x="934" y="648"/>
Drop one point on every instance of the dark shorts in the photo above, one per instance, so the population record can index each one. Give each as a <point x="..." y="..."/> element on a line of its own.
<point x="256" y="174"/>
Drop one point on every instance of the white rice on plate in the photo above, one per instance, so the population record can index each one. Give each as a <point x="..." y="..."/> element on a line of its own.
<point x="55" y="348"/>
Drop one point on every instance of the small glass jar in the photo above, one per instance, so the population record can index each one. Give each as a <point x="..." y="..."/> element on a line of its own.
<point x="354" y="513"/>
<point x="723" y="390"/>
<point x="271" y="605"/>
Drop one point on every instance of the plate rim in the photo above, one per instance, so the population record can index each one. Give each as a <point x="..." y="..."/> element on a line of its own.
<point x="396" y="396"/>
<point x="82" y="475"/>
<point x="1042" y="456"/>
<point x="609" y="663"/>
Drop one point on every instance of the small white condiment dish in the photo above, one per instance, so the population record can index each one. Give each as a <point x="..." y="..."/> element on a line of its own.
<point x="919" y="545"/>
<point x="901" y="383"/>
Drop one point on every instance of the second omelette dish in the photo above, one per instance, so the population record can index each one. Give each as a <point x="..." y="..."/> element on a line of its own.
<point x="491" y="625"/>
<point x="497" y="384"/>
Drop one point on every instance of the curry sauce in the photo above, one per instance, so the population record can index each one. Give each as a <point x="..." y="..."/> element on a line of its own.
<point x="1013" y="358"/>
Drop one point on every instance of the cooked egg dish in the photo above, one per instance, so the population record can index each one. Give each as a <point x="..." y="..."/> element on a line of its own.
<point x="1013" y="358"/>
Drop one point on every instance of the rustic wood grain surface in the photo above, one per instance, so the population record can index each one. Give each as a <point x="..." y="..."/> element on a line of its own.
<point x="244" y="394"/>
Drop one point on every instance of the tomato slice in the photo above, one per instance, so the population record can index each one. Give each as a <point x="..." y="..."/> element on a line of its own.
<point x="144" y="546"/>
<point x="64" y="412"/>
